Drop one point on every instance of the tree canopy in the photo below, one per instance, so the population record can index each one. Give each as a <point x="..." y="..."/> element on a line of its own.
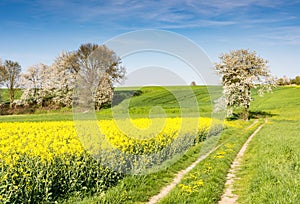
<point x="10" y="74"/>
<point x="55" y="84"/>
<point x="241" y="71"/>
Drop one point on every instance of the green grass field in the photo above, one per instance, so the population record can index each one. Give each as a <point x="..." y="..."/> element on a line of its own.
<point x="271" y="167"/>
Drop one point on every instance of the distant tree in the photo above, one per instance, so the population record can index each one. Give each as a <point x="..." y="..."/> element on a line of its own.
<point x="11" y="73"/>
<point x="193" y="83"/>
<point x="283" y="81"/>
<point x="296" y="80"/>
<point x="280" y="82"/>
<point x="241" y="71"/>
<point x="293" y="81"/>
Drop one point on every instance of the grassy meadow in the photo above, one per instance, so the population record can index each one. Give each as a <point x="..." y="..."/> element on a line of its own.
<point x="271" y="167"/>
<point x="55" y="167"/>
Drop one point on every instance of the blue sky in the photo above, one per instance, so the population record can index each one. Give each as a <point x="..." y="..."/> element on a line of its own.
<point x="35" y="31"/>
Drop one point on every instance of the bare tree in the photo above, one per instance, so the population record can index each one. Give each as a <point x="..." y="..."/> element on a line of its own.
<point x="99" y="69"/>
<point x="11" y="73"/>
<point x="241" y="71"/>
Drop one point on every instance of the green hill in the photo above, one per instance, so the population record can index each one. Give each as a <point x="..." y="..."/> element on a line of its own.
<point x="174" y="101"/>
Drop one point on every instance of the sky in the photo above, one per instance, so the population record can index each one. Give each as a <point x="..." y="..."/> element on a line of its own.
<point x="33" y="31"/>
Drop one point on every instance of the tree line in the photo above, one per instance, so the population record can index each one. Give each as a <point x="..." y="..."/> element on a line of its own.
<point x="53" y="86"/>
<point x="97" y="68"/>
<point x="285" y="81"/>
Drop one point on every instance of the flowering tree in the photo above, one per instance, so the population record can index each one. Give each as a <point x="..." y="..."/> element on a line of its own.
<point x="283" y="81"/>
<point x="33" y="82"/>
<point x="241" y="71"/>
<point x="54" y="85"/>
<point x="63" y="74"/>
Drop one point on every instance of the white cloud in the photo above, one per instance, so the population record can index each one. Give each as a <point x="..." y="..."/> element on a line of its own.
<point x="222" y="6"/>
<point x="163" y="14"/>
<point x="288" y="35"/>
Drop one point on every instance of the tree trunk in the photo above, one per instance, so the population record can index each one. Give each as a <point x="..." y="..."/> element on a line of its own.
<point x="247" y="105"/>
<point x="246" y="113"/>
<point x="11" y="97"/>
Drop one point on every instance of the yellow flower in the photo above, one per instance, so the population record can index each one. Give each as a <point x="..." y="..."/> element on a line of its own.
<point x="49" y="140"/>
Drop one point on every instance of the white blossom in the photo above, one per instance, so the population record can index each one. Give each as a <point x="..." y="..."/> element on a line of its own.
<point x="54" y="85"/>
<point x="242" y="71"/>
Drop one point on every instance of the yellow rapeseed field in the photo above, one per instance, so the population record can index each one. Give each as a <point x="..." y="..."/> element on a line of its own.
<point x="53" y="139"/>
<point x="43" y="139"/>
<point x="42" y="161"/>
